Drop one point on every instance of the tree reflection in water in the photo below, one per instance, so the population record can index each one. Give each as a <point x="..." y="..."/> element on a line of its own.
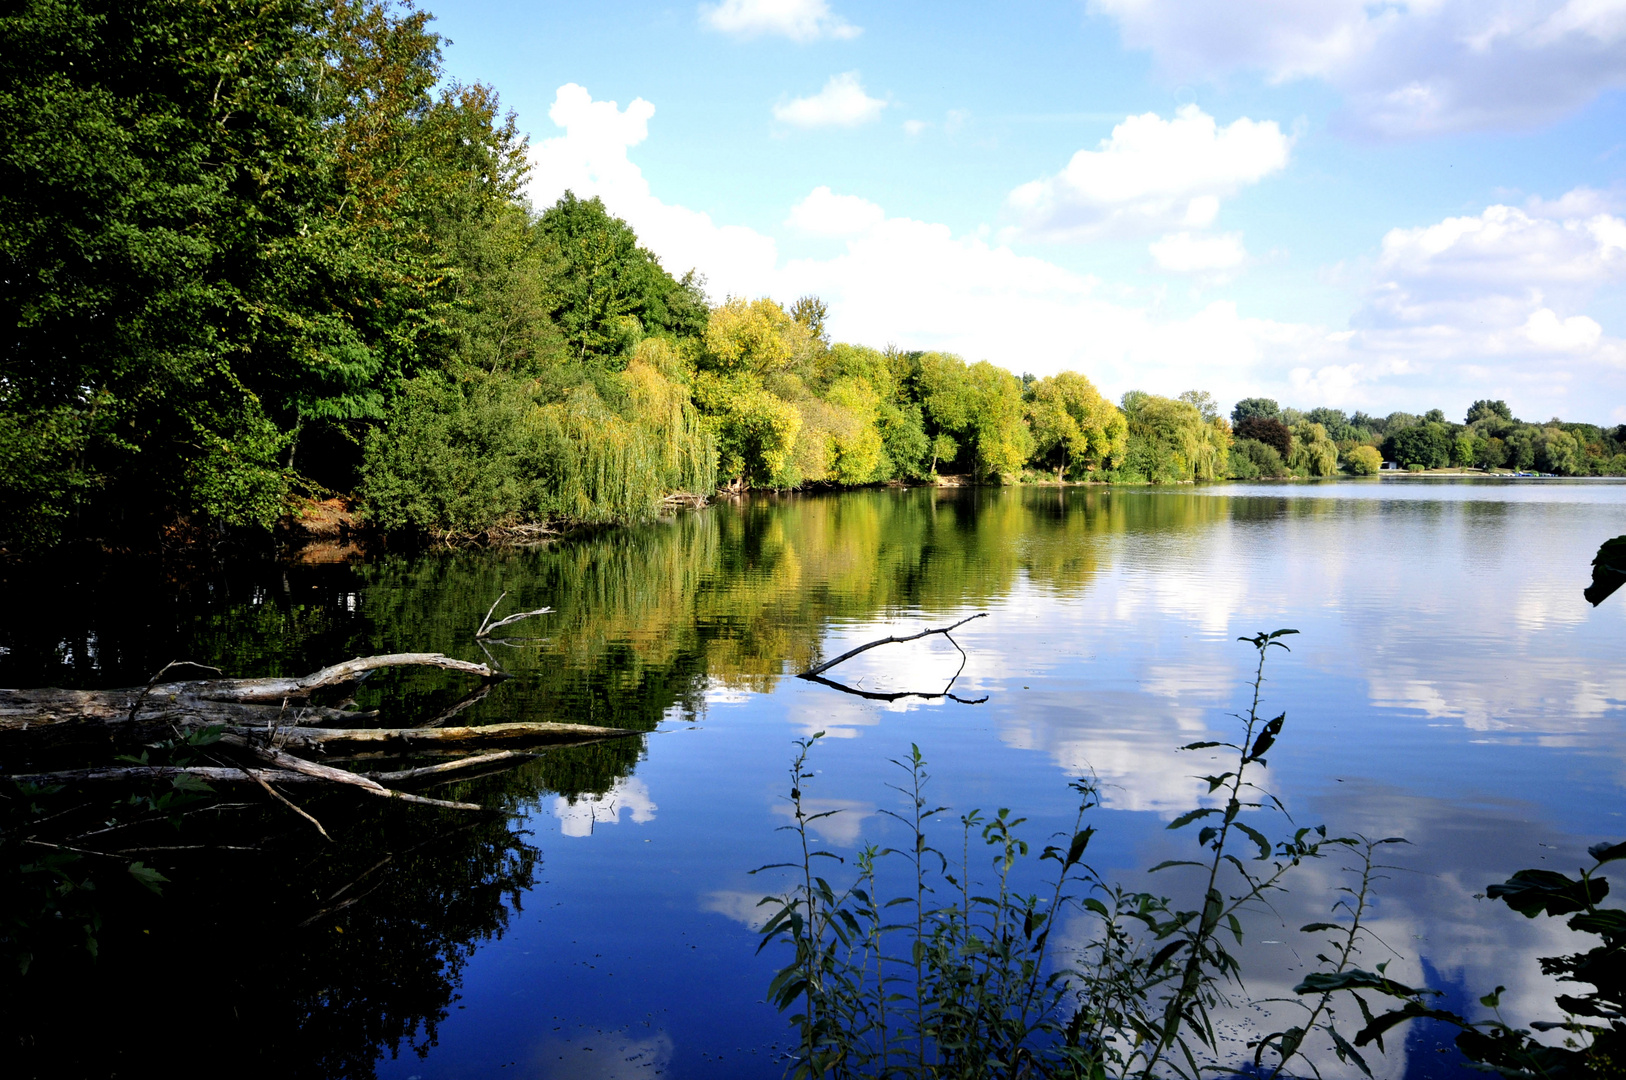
<point x="299" y="959"/>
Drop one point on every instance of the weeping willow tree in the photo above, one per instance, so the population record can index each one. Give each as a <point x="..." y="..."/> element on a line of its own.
<point x="490" y="450"/>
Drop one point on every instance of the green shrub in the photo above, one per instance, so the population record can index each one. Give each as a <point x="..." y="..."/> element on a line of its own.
<point x="40" y="477"/>
<point x="1363" y="460"/>
<point x="1251" y="458"/>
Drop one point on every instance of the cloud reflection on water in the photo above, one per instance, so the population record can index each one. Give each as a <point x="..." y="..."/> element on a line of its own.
<point x="580" y="816"/>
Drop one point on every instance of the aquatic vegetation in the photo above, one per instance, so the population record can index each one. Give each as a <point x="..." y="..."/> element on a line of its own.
<point x="949" y="974"/>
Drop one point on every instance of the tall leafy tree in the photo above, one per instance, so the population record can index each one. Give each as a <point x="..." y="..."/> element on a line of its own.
<point x="218" y="224"/>
<point x="1074" y="425"/>
<point x="610" y="290"/>
<point x="1255" y="408"/>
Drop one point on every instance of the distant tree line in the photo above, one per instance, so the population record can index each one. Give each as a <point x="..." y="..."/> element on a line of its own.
<point x="1489" y="437"/>
<point x="256" y="254"/>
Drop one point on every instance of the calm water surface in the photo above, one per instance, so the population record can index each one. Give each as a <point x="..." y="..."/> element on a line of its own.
<point x="1449" y="685"/>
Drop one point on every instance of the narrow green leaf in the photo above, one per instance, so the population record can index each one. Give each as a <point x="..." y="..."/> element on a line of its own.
<point x="1191" y="815"/>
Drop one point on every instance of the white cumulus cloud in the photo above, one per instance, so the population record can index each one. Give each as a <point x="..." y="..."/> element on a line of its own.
<point x="1496" y="300"/>
<point x="1502" y="263"/>
<point x="799" y="20"/>
<point x="590" y="158"/>
<point x="1184" y="253"/>
<point x="1151" y="174"/>
<point x="1575" y="334"/>
<point x="842" y="103"/>
<point x="824" y="213"/>
<point x="1403" y="68"/>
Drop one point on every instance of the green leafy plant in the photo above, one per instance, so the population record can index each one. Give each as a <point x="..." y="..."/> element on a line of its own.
<point x="1592" y="1032"/>
<point x="952" y="972"/>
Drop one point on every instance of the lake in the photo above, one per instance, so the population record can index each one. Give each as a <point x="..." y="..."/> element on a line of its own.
<point x="1448" y="684"/>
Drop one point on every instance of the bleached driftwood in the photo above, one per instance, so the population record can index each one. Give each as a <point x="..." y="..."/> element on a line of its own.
<point x="270" y="722"/>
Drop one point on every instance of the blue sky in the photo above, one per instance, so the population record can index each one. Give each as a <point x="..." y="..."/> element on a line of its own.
<point x="1370" y="205"/>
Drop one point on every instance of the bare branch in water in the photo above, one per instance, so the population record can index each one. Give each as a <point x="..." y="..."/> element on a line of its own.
<point x="850" y="653"/>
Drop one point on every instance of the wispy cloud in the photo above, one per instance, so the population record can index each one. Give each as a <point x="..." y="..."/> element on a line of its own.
<point x="1404" y="69"/>
<point x="798" y="20"/>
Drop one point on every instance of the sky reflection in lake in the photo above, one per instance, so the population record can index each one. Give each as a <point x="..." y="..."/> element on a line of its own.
<point x="1449" y="685"/>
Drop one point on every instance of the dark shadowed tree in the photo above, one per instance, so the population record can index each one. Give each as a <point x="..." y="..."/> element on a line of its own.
<point x="1273" y="433"/>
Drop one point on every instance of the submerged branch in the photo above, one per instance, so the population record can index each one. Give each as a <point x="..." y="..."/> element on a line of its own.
<point x="487" y="626"/>
<point x="893" y="640"/>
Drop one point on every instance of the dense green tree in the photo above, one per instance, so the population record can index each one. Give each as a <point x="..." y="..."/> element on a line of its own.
<point x="609" y="289"/>
<point x="898" y="419"/>
<point x="217" y="225"/>
<point x="1338" y="427"/>
<point x="1074" y="426"/>
<point x="1361" y="421"/>
<point x="1545" y="449"/>
<point x="1255" y="407"/>
<point x="1484" y="410"/>
<point x="1427" y="444"/>
<point x="976" y="407"/>
<point x="1250" y="459"/>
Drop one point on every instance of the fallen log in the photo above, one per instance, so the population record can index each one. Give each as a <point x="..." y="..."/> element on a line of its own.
<point x="273" y="691"/>
<point x="272" y="722"/>
<point x="447" y="766"/>
<point x="516" y="734"/>
<point x="286" y="772"/>
<point x="127" y="774"/>
<point x="344" y="776"/>
<point x="277" y="700"/>
<point x="23" y="710"/>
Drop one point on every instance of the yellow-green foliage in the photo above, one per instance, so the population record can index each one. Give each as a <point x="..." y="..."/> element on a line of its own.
<point x="1314" y="454"/>
<point x="977" y="405"/>
<point x="945" y="392"/>
<point x="855" y="441"/>
<point x="756" y="337"/>
<point x="1003" y="440"/>
<point x="1071" y="419"/>
<point x="1214" y="453"/>
<point x="751" y="364"/>
<point x="755" y="430"/>
<point x="1364" y="460"/>
<point x="1170" y="440"/>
